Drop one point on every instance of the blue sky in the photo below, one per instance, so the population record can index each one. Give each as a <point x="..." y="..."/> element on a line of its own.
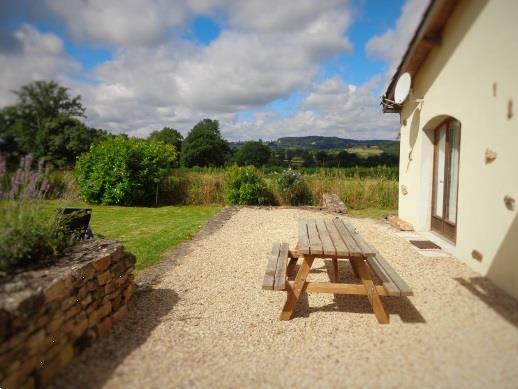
<point x="265" y="69"/>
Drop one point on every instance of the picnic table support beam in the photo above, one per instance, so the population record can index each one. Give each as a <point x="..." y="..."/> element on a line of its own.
<point x="295" y="290"/>
<point x="334" y="288"/>
<point x="374" y="299"/>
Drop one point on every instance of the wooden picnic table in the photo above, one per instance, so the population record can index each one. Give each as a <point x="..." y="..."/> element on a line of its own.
<point x="337" y="239"/>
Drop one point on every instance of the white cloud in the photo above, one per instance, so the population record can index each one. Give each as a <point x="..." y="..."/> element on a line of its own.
<point x="282" y="16"/>
<point x="266" y="51"/>
<point x="331" y="108"/>
<point x="120" y="23"/>
<point x="40" y="56"/>
<point x="391" y="45"/>
<point x="177" y="83"/>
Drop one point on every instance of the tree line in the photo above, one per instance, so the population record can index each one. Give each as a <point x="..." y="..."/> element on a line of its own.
<point x="46" y="122"/>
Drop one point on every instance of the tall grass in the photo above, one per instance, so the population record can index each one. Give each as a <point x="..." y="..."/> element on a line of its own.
<point x="192" y="188"/>
<point x="356" y="193"/>
<point x="359" y="188"/>
<point x="356" y="189"/>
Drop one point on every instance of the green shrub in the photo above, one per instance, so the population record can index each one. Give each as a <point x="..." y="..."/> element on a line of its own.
<point x="123" y="171"/>
<point x="292" y="188"/>
<point x="244" y="186"/>
<point x="28" y="236"/>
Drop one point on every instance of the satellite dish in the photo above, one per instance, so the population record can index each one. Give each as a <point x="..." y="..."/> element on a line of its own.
<point x="402" y="88"/>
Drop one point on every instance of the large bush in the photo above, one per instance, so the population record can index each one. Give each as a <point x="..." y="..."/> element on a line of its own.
<point x="123" y="171"/>
<point x="244" y="186"/>
<point x="28" y="235"/>
<point x="292" y="188"/>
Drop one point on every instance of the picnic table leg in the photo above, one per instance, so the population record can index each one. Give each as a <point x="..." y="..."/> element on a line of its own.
<point x="290" y="271"/>
<point x="353" y="266"/>
<point x="335" y="269"/>
<point x="374" y="299"/>
<point x="297" y="289"/>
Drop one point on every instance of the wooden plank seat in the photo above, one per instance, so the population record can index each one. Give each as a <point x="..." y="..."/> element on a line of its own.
<point x="392" y="282"/>
<point x="276" y="269"/>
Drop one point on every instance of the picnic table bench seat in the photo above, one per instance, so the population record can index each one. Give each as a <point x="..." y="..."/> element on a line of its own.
<point x="335" y="239"/>
<point x="275" y="277"/>
<point x="392" y="282"/>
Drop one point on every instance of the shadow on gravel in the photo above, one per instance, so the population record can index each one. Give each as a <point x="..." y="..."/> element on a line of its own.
<point x="95" y="365"/>
<point x="493" y="297"/>
<point x="400" y="306"/>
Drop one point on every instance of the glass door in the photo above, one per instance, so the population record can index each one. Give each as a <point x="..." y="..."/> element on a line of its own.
<point x="446" y="179"/>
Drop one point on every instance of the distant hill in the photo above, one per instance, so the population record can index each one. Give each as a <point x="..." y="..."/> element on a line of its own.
<point x="329" y="143"/>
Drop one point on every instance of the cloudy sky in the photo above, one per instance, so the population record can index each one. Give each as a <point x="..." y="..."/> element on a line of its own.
<point x="263" y="68"/>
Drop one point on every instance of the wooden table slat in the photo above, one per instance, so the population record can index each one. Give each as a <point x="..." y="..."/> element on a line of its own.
<point x="303" y="243"/>
<point x="354" y="250"/>
<point x="366" y="248"/>
<point x="341" y="248"/>
<point x="314" y="238"/>
<point x="327" y="243"/>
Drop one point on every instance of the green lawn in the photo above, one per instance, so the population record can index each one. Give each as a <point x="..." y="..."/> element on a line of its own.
<point x="374" y="213"/>
<point x="150" y="232"/>
<point x="146" y="232"/>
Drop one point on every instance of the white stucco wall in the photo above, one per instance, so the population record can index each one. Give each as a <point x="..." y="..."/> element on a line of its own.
<point x="479" y="48"/>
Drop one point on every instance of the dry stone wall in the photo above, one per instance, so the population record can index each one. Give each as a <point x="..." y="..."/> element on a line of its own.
<point x="48" y="316"/>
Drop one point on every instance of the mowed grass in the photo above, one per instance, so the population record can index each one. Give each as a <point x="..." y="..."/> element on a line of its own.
<point x="373" y="213"/>
<point x="146" y="232"/>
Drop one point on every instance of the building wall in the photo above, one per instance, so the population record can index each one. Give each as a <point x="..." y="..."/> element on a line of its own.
<point x="479" y="50"/>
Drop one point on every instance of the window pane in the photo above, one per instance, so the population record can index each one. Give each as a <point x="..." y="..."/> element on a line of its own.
<point x="439" y="172"/>
<point x="454" y="129"/>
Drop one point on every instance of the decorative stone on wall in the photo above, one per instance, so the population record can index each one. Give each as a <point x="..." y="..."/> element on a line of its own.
<point x="49" y="315"/>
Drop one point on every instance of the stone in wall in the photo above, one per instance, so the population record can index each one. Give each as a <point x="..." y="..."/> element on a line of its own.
<point x="49" y="315"/>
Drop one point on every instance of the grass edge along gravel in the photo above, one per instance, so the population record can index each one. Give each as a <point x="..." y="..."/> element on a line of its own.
<point x="144" y="231"/>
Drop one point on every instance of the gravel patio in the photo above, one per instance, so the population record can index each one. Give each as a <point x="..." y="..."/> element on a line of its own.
<point x="201" y="319"/>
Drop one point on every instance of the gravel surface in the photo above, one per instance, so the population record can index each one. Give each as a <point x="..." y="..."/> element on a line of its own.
<point x="206" y="322"/>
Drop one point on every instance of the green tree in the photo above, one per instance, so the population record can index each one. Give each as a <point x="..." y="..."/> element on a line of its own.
<point x="322" y="158"/>
<point x="45" y="122"/>
<point x="346" y="159"/>
<point x="168" y="135"/>
<point x="307" y="158"/>
<point x="253" y="153"/>
<point x="204" y="146"/>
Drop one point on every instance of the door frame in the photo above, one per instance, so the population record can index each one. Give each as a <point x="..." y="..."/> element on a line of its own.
<point x="441" y="225"/>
